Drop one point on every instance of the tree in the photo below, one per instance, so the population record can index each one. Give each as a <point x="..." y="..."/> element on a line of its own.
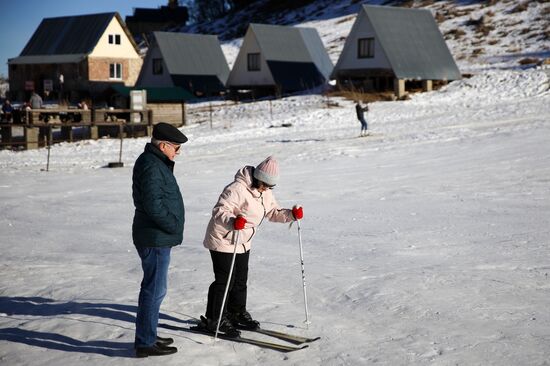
<point x="240" y="4"/>
<point x="207" y="10"/>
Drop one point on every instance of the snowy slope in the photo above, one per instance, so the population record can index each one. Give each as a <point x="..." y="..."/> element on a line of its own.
<point x="425" y="243"/>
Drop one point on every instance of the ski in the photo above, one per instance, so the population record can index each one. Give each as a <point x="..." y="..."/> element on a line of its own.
<point x="256" y="342"/>
<point x="291" y="338"/>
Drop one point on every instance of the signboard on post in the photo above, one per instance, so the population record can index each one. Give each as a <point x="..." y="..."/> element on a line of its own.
<point x="138" y="101"/>
<point x="48" y="85"/>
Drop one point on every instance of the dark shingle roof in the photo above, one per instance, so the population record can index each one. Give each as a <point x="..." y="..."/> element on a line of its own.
<point x="192" y="54"/>
<point x="67" y="39"/>
<point x="67" y="35"/>
<point x="49" y="59"/>
<point x="292" y="44"/>
<point x="412" y="43"/>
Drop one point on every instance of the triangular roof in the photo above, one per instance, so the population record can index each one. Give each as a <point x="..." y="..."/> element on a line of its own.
<point x="411" y="41"/>
<point x="192" y="54"/>
<point x="69" y="35"/>
<point x="292" y="44"/>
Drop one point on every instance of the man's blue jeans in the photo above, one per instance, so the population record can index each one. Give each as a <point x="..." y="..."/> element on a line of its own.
<point x="154" y="262"/>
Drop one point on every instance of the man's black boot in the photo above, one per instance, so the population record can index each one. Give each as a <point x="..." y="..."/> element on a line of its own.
<point x="155" y="350"/>
<point x="164" y="341"/>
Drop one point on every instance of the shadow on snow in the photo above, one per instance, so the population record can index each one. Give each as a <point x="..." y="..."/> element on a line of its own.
<point x="39" y="306"/>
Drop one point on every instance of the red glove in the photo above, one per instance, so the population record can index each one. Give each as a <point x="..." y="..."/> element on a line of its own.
<point x="239" y="222"/>
<point x="297" y="212"/>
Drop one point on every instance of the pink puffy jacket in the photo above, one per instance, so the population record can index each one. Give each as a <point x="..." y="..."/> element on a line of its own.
<point x="239" y="198"/>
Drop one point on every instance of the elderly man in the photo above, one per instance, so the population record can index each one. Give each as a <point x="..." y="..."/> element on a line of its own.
<point x="158" y="226"/>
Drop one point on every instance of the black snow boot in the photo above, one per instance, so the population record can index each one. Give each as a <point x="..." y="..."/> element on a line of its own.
<point x="244" y="320"/>
<point x="226" y="327"/>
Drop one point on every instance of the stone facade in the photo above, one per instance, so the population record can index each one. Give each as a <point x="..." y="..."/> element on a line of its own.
<point x="98" y="69"/>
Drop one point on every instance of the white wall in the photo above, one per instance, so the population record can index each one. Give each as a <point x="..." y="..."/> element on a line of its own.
<point x="123" y="50"/>
<point x="240" y="75"/>
<point x="362" y="28"/>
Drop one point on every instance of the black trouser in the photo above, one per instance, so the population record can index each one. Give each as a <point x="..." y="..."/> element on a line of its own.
<point x="236" y="297"/>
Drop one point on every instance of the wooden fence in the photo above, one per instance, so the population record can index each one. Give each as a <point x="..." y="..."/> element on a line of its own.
<point x="39" y="124"/>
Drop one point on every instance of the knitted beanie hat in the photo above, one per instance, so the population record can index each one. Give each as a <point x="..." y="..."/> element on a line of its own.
<point x="268" y="171"/>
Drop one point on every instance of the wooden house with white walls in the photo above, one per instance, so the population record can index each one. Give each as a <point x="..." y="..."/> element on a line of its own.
<point x="78" y="56"/>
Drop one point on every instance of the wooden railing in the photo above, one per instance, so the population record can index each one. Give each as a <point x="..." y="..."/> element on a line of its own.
<point x="38" y="125"/>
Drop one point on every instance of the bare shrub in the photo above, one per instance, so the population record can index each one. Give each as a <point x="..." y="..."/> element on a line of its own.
<point x="455" y="33"/>
<point x="426" y="3"/>
<point x="364" y="97"/>
<point x="520" y="8"/>
<point x="439" y="17"/>
<point x="480" y="25"/>
<point x="346" y="19"/>
<point x="478" y="51"/>
<point x="529" y="61"/>
<point x="525" y="31"/>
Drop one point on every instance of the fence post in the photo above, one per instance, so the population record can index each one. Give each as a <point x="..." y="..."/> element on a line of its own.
<point x="183" y="112"/>
<point x="49" y="144"/>
<point x="210" y="107"/>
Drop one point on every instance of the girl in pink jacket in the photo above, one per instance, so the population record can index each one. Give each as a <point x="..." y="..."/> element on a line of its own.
<point x="243" y="205"/>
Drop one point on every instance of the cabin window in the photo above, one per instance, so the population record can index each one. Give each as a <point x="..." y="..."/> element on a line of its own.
<point x="365" y="48"/>
<point x="253" y="62"/>
<point x="114" y="38"/>
<point x="115" y="71"/>
<point x="157" y="66"/>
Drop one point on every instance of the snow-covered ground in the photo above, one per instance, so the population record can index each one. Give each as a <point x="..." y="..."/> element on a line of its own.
<point x="425" y="243"/>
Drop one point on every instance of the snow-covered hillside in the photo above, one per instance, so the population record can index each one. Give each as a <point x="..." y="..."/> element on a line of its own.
<point x="425" y="243"/>
<point x="480" y="34"/>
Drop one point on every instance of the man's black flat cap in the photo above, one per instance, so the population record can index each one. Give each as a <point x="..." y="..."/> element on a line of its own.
<point x="166" y="132"/>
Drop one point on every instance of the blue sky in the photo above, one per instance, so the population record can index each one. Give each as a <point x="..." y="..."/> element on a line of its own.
<point x="19" y="19"/>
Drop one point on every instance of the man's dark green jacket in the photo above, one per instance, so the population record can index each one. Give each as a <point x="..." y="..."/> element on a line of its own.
<point x="160" y="214"/>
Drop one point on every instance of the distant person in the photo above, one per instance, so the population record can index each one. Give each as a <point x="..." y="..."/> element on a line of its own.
<point x="61" y="85"/>
<point x="361" y="117"/>
<point x="36" y="101"/>
<point x="243" y="205"/>
<point x="157" y="227"/>
<point x="83" y="105"/>
<point x="7" y="110"/>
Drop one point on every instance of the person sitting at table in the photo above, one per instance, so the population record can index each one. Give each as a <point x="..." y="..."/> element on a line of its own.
<point x="7" y="110"/>
<point x="82" y="105"/>
<point x="36" y="101"/>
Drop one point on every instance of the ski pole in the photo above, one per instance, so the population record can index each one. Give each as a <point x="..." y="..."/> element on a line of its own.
<point x="235" y="241"/>
<point x="303" y="272"/>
